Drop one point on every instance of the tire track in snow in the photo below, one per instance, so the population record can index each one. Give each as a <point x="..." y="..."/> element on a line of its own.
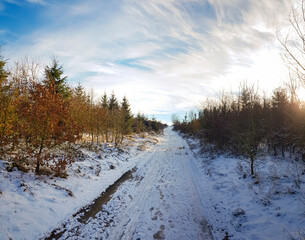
<point x="137" y="207"/>
<point x="167" y="203"/>
<point x="160" y="202"/>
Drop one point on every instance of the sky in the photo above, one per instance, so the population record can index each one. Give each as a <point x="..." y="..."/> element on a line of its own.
<point x="166" y="56"/>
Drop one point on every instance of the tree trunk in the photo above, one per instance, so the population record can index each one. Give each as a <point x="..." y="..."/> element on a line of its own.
<point x="274" y="150"/>
<point x="38" y="156"/>
<point x="293" y="149"/>
<point x="97" y="134"/>
<point x="37" y="164"/>
<point x="122" y="138"/>
<point x="252" y="164"/>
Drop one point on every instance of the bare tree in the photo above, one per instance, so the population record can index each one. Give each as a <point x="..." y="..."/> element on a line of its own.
<point x="292" y="86"/>
<point x="293" y="41"/>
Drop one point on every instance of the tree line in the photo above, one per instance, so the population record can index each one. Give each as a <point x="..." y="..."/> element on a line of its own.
<point x="40" y="111"/>
<point x="247" y="123"/>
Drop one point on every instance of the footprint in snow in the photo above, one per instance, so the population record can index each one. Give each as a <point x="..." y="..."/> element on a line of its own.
<point x="160" y="235"/>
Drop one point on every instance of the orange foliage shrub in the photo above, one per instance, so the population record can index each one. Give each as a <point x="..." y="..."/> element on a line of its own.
<point x="45" y="122"/>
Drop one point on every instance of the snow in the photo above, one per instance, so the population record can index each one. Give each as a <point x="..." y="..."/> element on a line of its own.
<point x="161" y="201"/>
<point x="31" y="205"/>
<point x="267" y="206"/>
<point x="177" y="192"/>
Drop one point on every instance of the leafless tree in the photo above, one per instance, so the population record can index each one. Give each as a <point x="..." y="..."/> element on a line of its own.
<point x="293" y="41"/>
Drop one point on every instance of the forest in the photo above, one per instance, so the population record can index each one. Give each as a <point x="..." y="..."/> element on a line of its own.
<point x="40" y="112"/>
<point x="248" y="124"/>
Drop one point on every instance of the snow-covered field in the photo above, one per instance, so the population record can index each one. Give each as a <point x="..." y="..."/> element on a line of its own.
<point x="177" y="192"/>
<point x="270" y="205"/>
<point x="31" y="205"/>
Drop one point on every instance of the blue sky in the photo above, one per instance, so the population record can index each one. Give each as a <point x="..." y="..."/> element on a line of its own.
<point x="165" y="56"/>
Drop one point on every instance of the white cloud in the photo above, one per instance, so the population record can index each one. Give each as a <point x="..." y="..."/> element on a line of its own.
<point x="2" y="7"/>
<point x="164" y="55"/>
<point x="41" y="2"/>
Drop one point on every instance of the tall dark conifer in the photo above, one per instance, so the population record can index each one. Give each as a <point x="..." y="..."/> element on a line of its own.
<point x="125" y="106"/>
<point x="113" y="102"/>
<point x="53" y="76"/>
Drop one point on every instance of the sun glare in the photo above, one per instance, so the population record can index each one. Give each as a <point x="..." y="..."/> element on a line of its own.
<point x="301" y="94"/>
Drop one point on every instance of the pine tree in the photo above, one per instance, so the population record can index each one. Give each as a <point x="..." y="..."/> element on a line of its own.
<point x="7" y="112"/>
<point x="113" y="102"/>
<point x="53" y="76"/>
<point x="78" y="109"/>
<point x="114" y="118"/>
<point x="3" y="73"/>
<point x="106" y="122"/>
<point x="104" y="101"/>
<point x="280" y="119"/>
<point x="154" y="125"/>
<point x="127" y="116"/>
<point x="139" y="123"/>
<point x="79" y="92"/>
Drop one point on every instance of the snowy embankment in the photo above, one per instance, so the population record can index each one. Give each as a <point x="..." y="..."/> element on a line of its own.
<point x="31" y="205"/>
<point x="270" y="205"/>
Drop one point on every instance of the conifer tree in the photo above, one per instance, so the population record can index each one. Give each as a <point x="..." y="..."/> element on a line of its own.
<point x="106" y="122"/>
<point x="113" y="114"/>
<point x="113" y="102"/>
<point x="154" y="126"/>
<point x="78" y="109"/>
<point x="127" y="116"/>
<point x="104" y="101"/>
<point x="280" y="119"/>
<point x="79" y="92"/>
<point x="53" y="76"/>
<point x="6" y="105"/>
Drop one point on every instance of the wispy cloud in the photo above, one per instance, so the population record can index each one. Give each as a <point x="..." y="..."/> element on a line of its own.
<point x="1" y="7"/>
<point x="37" y="2"/>
<point x="166" y="56"/>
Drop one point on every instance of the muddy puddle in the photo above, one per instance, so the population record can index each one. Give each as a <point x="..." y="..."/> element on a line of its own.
<point x="90" y="211"/>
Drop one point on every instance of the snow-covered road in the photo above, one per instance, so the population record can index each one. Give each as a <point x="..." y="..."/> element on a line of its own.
<point x="160" y="201"/>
